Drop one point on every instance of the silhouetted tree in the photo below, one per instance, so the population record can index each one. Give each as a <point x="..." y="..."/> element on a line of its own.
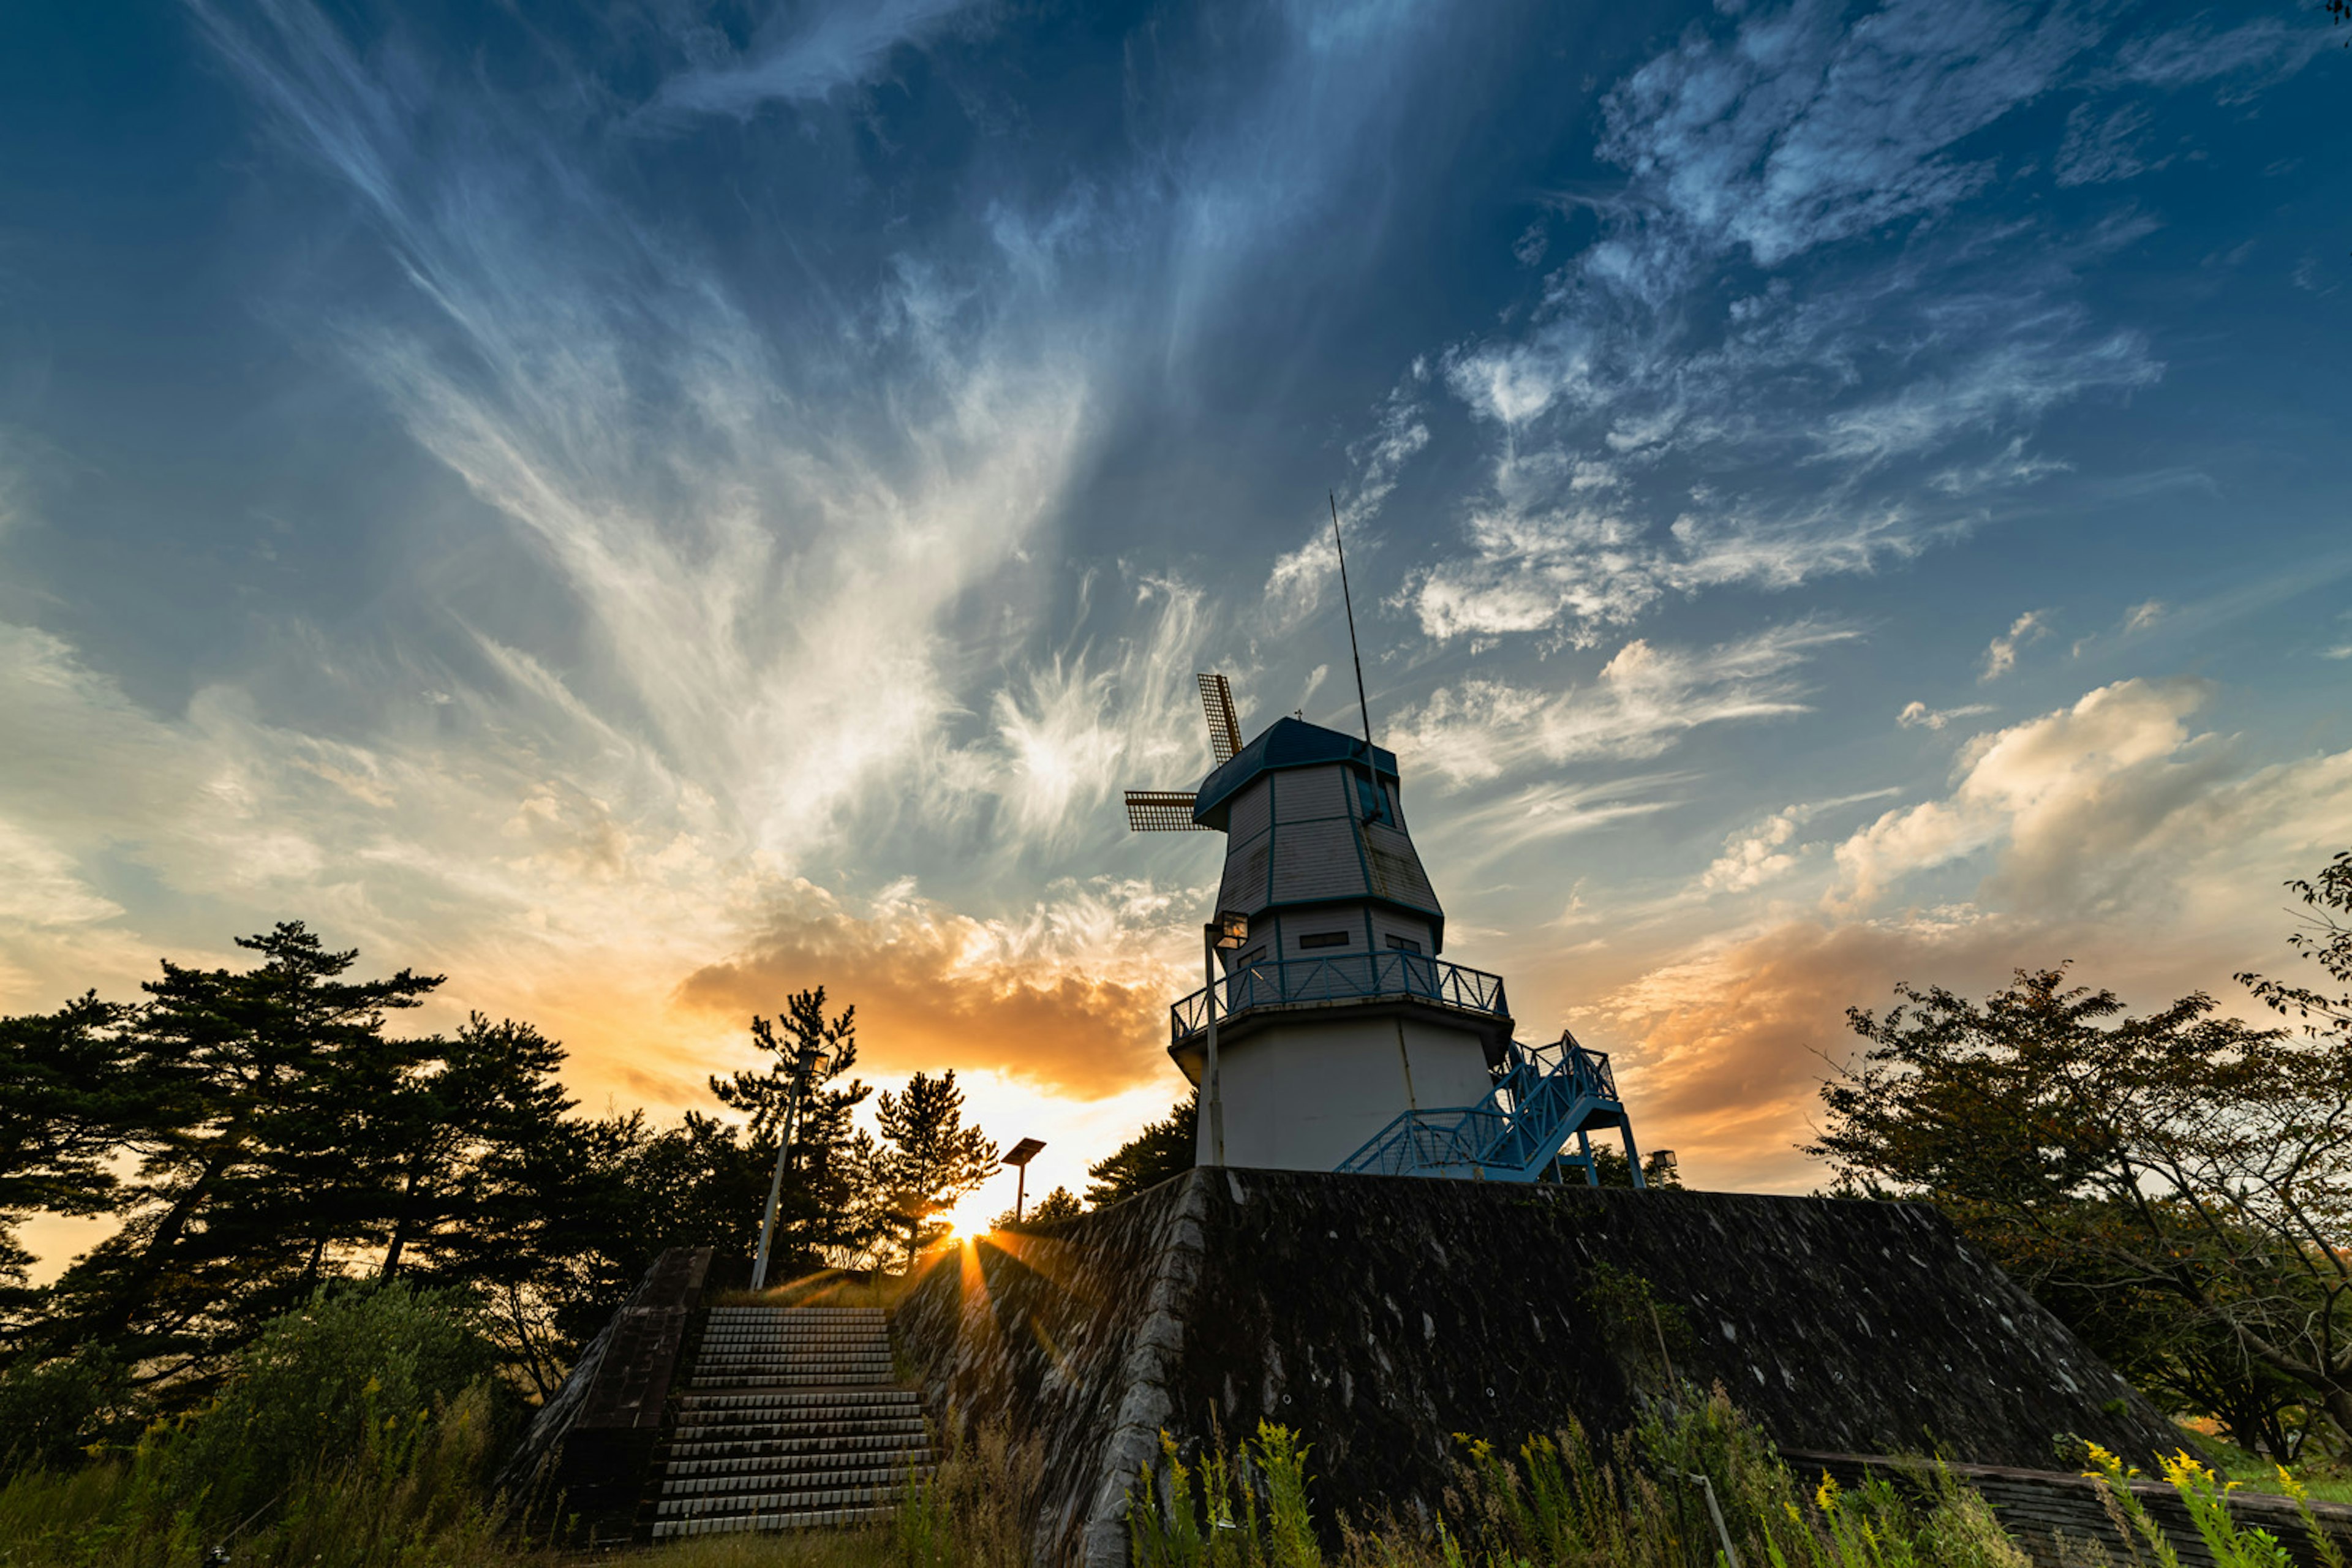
<point x="269" y="1097"/>
<point x="2177" y="1161"/>
<point x="928" y="1157"/>
<point x="1059" y="1205"/>
<point x="1163" y="1151"/>
<point x="824" y="1210"/>
<point x="69" y="1088"/>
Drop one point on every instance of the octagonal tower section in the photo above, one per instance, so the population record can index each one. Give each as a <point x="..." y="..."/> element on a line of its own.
<point x="1338" y="1014"/>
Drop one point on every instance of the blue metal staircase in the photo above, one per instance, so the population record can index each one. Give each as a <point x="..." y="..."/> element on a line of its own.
<point x="1545" y="1095"/>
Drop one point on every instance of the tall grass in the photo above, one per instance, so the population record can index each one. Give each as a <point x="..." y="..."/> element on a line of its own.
<point x="975" y="1507"/>
<point x="410" y="1495"/>
<point x="1690" y="1487"/>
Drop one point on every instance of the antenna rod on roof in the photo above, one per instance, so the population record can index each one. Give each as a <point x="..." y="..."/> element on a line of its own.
<point x="1352" y="651"/>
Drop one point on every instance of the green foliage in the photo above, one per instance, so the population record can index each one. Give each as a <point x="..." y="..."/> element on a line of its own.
<point x="52" y="1412"/>
<point x="1609" y="1165"/>
<point x="260" y="1132"/>
<point x="1248" y="1511"/>
<point x="825" y="1209"/>
<point x="352" y="1373"/>
<point x="1056" y="1207"/>
<point x="973" y="1510"/>
<point x="68" y="1091"/>
<point x="2173" y="1186"/>
<point x="1162" y="1151"/>
<point x="353" y="1434"/>
<point x="1642" y="1333"/>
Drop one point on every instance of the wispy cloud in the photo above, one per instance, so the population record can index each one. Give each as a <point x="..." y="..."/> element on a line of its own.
<point x="1728" y="322"/>
<point x="2000" y="654"/>
<point x="1641" y="701"/>
<point x="801" y="54"/>
<point x="1917" y="715"/>
<point x="1293" y="588"/>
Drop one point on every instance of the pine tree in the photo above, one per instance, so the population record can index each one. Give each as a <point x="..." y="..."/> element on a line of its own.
<point x="263" y="1141"/>
<point x="929" y="1158"/>
<point x="823" y="1211"/>
<point x="1162" y="1151"/>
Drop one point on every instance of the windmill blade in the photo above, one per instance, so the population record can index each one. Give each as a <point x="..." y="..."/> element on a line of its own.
<point x="1225" y="730"/>
<point x="1161" y="811"/>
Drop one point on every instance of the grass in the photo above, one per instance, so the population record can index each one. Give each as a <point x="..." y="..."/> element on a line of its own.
<point x="2323" y="1479"/>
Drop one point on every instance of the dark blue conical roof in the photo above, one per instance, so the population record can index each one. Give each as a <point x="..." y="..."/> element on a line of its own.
<point x="1287" y="744"/>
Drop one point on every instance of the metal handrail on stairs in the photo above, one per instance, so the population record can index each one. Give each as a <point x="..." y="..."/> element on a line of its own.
<point x="1545" y="1095"/>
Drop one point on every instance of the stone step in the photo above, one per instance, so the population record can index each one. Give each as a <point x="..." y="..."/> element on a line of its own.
<point x="768" y="1480"/>
<point x="863" y="1396"/>
<point x="739" y="1457"/>
<point x="736" y="1442"/>
<point x="793" y="1353"/>
<point x="880" y="1342"/>
<point x="824" y="1375"/>
<point x="790" y="1419"/>
<point x="728" y="1524"/>
<point x="784" y="1357"/>
<point x="785" y="1501"/>
<point x="798" y="1369"/>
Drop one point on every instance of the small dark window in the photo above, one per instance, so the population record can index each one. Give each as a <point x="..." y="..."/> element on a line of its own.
<point x="1255" y="955"/>
<point x="1404" y="944"/>
<point x="1372" y="804"/>
<point x="1326" y="939"/>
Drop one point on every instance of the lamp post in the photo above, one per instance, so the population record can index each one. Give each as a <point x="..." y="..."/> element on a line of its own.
<point x="808" y="1064"/>
<point x="1023" y="1153"/>
<point x="1225" y="933"/>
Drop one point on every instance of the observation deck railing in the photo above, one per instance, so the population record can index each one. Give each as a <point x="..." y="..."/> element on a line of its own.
<point x="1347" y="977"/>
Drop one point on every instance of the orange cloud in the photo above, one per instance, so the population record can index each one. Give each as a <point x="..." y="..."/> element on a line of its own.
<point x="935" y="990"/>
<point x="1733" y="1045"/>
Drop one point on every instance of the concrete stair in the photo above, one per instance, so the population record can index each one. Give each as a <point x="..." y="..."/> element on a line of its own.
<point x="790" y="1420"/>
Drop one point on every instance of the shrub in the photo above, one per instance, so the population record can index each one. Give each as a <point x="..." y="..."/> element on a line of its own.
<point x="351" y="1375"/>
<point x="53" y="1413"/>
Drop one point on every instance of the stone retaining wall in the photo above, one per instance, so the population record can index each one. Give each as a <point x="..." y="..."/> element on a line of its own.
<point x="1379" y="1316"/>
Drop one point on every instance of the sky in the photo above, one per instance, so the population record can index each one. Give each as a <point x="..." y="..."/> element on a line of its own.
<point x="644" y="506"/>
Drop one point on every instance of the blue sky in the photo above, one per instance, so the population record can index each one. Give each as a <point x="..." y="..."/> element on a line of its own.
<point x="646" y="507"/>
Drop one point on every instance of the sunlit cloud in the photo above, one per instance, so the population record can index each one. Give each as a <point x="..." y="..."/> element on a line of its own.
<point x="1641" y="702"/>
<point x="1070" y="995"/>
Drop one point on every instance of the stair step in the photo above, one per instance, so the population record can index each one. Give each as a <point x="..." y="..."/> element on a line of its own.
<point x="894" y="1450"/>
<point x="701" y="1447"/>
<point x="728" y="1524"/>
<point x="790" y="1418"/>
<point x="803" y="1398"/>
<point x="780" y="1502"/>
<point x="881" y="1470"/>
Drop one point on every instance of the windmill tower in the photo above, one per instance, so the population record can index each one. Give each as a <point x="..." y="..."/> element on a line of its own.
<point x="1331" y="1035"/>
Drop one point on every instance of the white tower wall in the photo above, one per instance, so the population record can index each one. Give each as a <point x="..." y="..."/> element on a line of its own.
<point x="1304" y="1095"/>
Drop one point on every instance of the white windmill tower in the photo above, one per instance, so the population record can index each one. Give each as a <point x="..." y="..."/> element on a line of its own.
<point x="1331" y="1035"/>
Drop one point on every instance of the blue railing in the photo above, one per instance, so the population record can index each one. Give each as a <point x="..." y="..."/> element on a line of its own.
<point x="1546" y="1096"/>
<point x="1349" y="977"/>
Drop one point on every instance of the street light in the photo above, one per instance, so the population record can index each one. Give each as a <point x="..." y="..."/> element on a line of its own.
<point x="809" y="1064"/>
<point x="1226" y="932"/>
<point x="1023" y="1153"/>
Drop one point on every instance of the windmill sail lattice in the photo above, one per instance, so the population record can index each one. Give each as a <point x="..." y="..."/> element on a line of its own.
<point x="1171" y="810"/>
<point x="1225" y="730"/>
<point x="1161" y="811"/>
